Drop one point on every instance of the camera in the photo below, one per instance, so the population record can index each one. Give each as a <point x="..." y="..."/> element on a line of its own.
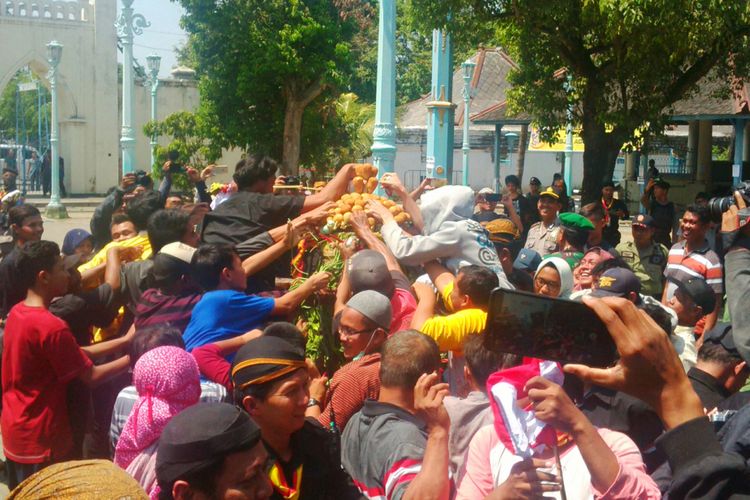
<point x="292" y="180"/>
<point x="719" y="205"/>
<point x="142" y="179"/>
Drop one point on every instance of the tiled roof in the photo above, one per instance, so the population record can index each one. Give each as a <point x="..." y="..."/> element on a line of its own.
<point x="489" y="83"/>
<point x="714" y="97"/>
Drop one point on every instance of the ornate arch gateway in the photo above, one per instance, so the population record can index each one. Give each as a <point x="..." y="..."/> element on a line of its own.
<point x="87" y="78"/>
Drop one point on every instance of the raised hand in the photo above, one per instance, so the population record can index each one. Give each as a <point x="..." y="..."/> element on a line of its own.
<point x="648" y="369"/>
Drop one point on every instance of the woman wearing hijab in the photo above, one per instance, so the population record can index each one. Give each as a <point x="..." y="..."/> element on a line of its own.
<point x="168" y="381"/>
<point x="553" y="278"/>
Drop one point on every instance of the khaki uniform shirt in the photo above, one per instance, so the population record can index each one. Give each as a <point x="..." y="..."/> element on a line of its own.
<point x="543" y="239"/>
<point x="648" y="265"/>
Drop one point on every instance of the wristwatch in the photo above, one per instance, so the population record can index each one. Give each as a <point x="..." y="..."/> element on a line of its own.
<point x="314" y="402"/>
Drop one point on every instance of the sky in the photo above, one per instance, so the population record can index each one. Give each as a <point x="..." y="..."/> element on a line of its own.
<point x="162" y="36"/>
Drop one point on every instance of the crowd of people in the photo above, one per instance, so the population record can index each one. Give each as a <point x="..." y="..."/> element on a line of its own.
<point x="160" y="354"/>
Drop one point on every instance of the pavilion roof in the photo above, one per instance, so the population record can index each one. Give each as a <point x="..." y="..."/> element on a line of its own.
<point x="713" y="101"/>
<point x="489" y="84"/>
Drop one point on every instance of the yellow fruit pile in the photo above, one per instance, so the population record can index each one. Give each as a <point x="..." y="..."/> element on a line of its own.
<point x="365" y="179"/>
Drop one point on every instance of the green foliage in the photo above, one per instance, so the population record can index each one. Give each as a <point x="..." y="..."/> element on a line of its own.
<point x="413" y="52"/>
<point x="188" y="132"/>
<point x="28" y="110"/>
<point x="345" y="124"/>
<point x="628" y="61"/>
<point x="720" y="153"/>
<point x="253" y="57"/>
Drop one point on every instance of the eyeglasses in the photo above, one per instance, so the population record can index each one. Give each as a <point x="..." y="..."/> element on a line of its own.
<point x="551" y="286"/>
<point x="348" y="332"/>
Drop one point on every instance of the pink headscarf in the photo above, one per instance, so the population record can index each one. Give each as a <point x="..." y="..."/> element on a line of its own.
<point x="168" y="381"/>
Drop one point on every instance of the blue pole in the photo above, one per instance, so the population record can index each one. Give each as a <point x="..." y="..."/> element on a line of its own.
<point x="568" y="165"/>
<point x="384" y="134"/>
<point x="440" y="111"/>
<point x="496" y="154"/>
<point x="739" y="143"/>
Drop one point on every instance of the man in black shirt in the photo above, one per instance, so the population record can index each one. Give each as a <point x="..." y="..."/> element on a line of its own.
<point x="26" y="225"/>
<point x="254" y="210"/>
<point x="655" y="200"/>
<point x="615" y="210"/>
<point x="720" y="370"/>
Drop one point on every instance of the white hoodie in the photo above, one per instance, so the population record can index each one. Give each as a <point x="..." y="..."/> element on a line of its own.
<point x="449" y="234"/>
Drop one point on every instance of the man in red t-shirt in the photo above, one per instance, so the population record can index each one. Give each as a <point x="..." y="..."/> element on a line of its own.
<point x="40" y="357"/>
<point x="376" y="268"/>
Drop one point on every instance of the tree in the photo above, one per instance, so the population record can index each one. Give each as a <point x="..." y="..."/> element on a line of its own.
<point x="626" y="62"/>
<point x="28" y="111"/>
<point x="261" y="63"/>
<point x="188" y="132"/>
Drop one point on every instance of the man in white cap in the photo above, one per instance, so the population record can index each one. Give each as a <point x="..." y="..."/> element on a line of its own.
<point x="172" y="292"/>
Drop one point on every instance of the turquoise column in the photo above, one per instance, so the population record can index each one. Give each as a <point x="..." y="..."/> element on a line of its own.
<point x="568" y="165"/>
<point x="739" y="145"/>
<point x="384" y="134"/>
<point x="128" y="25"/>
<point x="440" y="110"/>
<point x="496" y="155"/>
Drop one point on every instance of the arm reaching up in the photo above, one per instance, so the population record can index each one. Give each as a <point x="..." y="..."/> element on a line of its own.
<point x="288" y="303"/>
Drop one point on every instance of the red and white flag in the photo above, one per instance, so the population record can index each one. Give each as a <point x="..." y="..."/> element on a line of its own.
<point x="518" y="428"/>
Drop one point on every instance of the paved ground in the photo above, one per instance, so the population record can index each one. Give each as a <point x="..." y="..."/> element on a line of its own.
<point x="55" y="230"/>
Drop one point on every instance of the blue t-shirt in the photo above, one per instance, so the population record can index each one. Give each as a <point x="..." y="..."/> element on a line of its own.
<point x="223" y="314"/>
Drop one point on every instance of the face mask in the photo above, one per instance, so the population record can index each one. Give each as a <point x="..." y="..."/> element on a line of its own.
<point x="364" y="351"/>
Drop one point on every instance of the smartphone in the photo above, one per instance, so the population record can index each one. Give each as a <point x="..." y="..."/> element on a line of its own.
<point x="496" y="197"/>
<point x="547" y="328"/>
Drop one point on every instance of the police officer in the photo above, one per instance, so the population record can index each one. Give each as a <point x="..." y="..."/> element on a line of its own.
<point x="645" y="257"/>
<point x="542" y="236"/>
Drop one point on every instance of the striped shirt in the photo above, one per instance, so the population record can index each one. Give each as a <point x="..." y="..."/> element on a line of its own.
<point x="351" y="386"/>
<point x="155" y="308"/>
<point x="382" y="449"/>
<point x="699" y="263"/>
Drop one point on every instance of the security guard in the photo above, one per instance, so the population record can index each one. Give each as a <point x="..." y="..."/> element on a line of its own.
<point x="542" y="236"/>
<point x="572" y="237"/>
<point x="645" y="257"/>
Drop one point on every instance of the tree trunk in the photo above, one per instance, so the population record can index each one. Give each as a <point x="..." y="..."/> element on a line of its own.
<point x="292" y="137"/>
<point x="296" y="102"/>
<point x="599" y="157"/>
<point x="522" y="145"/>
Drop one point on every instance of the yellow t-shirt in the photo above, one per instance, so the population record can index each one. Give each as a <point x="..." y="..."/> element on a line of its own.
<point x="140" y="240"/>
<point x="450" y="331"/>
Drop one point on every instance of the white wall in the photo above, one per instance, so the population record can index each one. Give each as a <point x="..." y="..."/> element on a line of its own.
<point x="481" y="170"/>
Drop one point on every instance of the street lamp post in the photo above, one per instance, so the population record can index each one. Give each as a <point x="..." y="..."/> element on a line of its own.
<point x="128" y="25"/>
<point x="468" y="72"/>
<point x="384" y="133"/>
<point x="568" y="165"/>
<point x="55" y="209"/>
<point x="153" y="62"/>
